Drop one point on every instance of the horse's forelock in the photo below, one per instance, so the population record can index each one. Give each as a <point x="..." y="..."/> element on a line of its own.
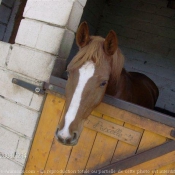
<point x="93" y="51"/>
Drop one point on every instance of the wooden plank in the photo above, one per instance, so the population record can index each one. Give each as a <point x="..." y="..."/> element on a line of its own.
<point x="124" y="150"/>
<point x="113" y="130"/>
<point x="136" y="120"/>
<point x="148" y="160"/>
<point x="58" y="158"/>
<point x="150" y="140"/>
<point x="166" y="170"/>
<point x="49" y="119"/>
<point x="103" y="148"/>
<point x="80" y="153"/>
<point x="62" y="158"/>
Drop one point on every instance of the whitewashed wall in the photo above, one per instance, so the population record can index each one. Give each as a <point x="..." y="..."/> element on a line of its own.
<point x="31" y="58"/>
<point x="146" y="33"/>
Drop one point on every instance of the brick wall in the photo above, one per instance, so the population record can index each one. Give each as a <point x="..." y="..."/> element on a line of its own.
<point x="146" y="33"/>
<point x="47" y="29"/>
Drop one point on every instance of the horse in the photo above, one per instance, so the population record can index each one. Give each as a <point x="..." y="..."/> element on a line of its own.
<point x="97" y="69"/>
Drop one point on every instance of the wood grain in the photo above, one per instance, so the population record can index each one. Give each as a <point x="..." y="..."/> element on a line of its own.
<point x="45" y="132"/>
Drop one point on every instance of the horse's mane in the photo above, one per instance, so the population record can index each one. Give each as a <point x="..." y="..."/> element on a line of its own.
<point x="94" y="51"/>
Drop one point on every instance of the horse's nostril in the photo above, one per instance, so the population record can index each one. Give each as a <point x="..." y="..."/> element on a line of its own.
<point x="75" y="135"/>
<point x="69" y="140"/>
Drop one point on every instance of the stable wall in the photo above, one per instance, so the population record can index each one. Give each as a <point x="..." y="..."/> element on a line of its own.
<point x="146" y="34"/>
<point x="46" y="31"/>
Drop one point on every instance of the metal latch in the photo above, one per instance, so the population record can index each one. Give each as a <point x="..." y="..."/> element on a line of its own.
<point x="30" y="87"/>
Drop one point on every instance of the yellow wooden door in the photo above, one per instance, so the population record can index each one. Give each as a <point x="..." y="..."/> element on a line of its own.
<point x="97" y="149"/>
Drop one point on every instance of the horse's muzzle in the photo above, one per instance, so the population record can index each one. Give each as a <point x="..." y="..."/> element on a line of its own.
<point x="67" y="141"/>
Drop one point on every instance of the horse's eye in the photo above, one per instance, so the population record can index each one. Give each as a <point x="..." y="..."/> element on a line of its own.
<point x="103" y="83"/>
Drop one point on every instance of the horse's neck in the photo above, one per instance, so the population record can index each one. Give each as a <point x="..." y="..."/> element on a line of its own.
<point x="116" y="88"/>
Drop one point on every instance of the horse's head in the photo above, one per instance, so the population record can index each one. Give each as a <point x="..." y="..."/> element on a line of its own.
<point x="89" y="73"/>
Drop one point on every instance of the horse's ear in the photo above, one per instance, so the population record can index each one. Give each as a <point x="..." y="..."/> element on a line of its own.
<point x="82" y="36"/>
<point x="111" y="43"/>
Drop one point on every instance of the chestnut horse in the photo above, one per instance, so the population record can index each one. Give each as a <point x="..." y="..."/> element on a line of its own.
<point x="98" y="68"/>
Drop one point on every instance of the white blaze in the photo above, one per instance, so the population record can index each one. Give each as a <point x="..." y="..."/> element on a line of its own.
<point x="85" y="73"/>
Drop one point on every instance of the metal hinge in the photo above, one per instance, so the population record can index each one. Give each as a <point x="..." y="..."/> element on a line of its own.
<point x="30" y="87"/>
<point x="39" y="89"/>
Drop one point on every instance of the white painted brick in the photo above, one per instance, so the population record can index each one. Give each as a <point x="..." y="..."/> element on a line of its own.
<point x="18" y="118"/>
<point x="8" y="143"/>
<point x="36" y="102"/>
<point x="55" y="12"/>
<point x="49" y="39"/>
<point x="40" y="35"/>
<point x="8" y="167"/>
<point x="22" y="150"/>
<point x="4" y="50"/>
<point x="28" y="32"/>
<point x="17" y="93"/>
<point x="82" y="2"/>
<point x="75" y="17"/>
<point x="31" y="63"/>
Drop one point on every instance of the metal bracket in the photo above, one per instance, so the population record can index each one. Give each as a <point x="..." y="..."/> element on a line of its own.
<point x="30" y="87"/>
